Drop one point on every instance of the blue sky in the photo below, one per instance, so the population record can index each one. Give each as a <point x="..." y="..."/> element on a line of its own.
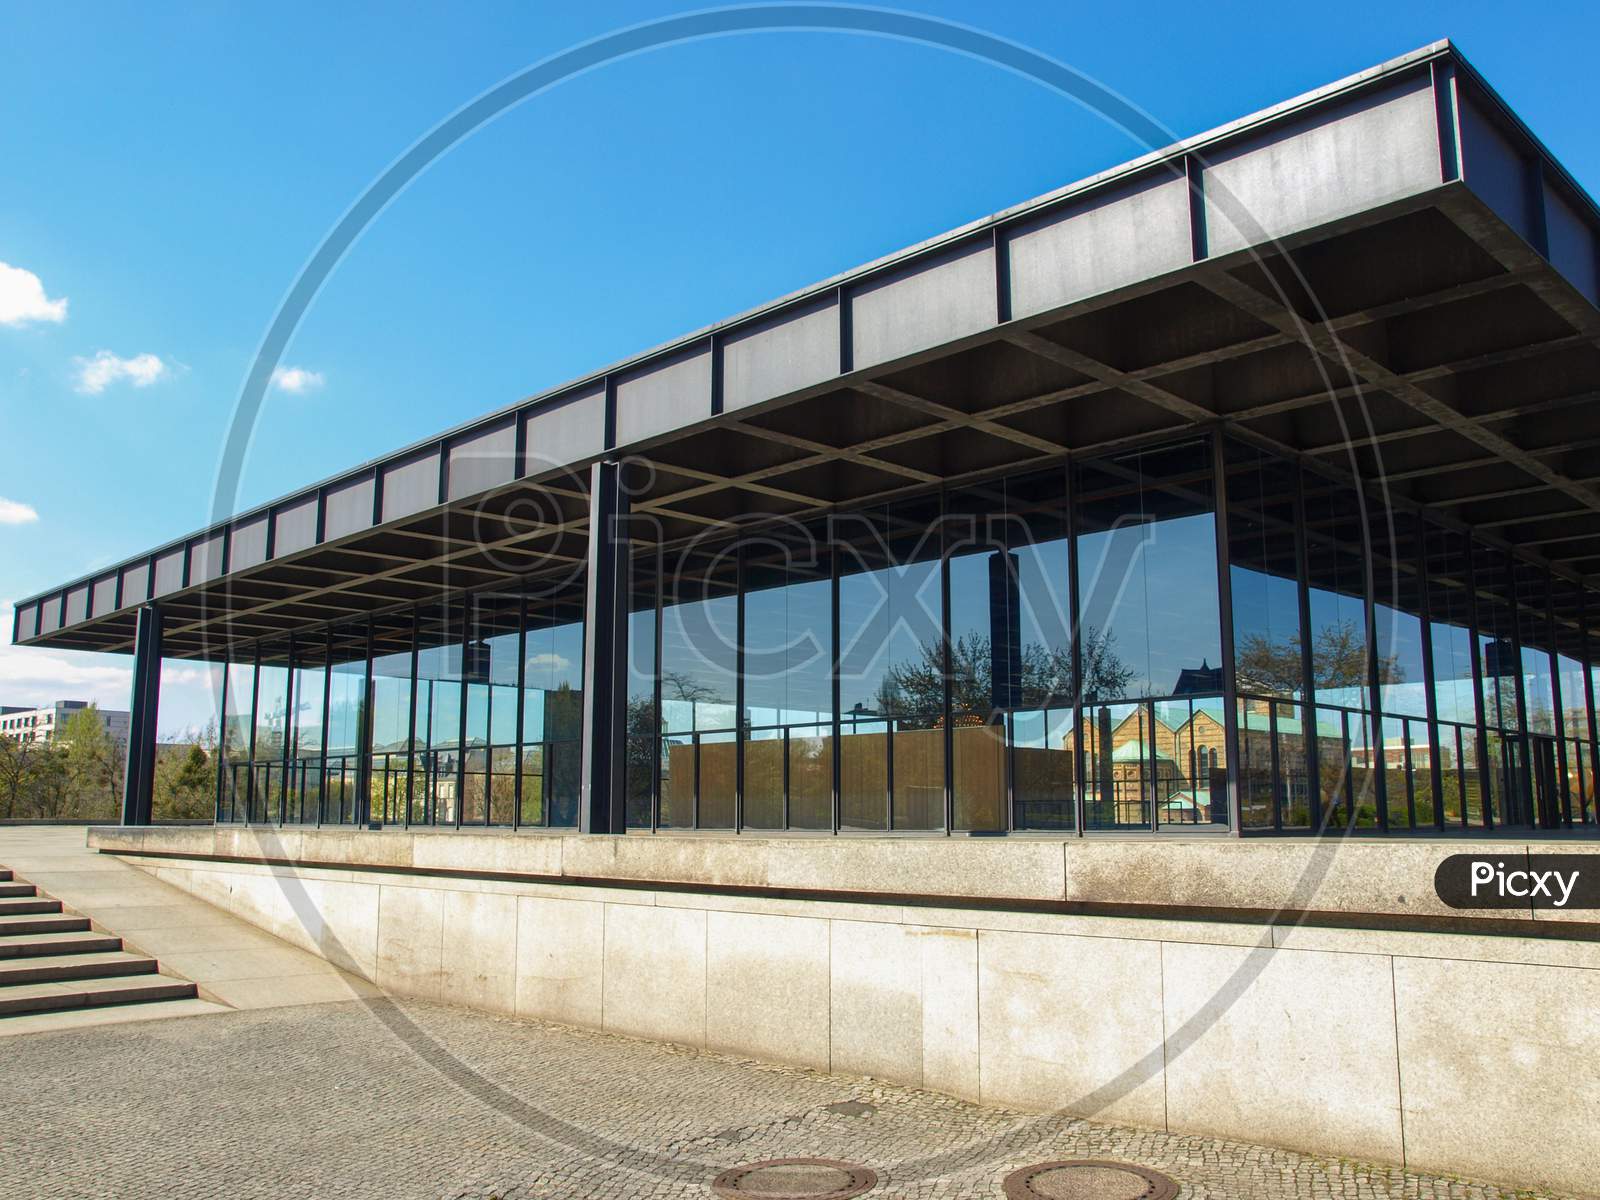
<point x="169" y="168"/>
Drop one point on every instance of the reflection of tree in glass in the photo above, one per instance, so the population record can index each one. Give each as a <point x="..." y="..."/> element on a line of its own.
<point x="1338" y="660"/>
<point x="680" y="686"/>
<point x="1046" y="679"/>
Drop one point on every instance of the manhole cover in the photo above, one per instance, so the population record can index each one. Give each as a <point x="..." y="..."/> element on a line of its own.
<point x="795" y="1179"/>
<point x="1088" y="1179"/>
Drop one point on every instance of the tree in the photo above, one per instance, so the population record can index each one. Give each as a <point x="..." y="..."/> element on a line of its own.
<point x="185" y="783"/>
<point x="94" y="763"/>
<point x="1045" y="680"/>
<point x="17" y="776"/>
<point x="51" y="791"/>
<point x="1338" y="660"/>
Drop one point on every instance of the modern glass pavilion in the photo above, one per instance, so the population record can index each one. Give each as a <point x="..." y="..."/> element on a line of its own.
<point x="1241" y="489"/>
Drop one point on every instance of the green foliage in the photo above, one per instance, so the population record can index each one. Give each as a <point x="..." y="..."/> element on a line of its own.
<point x="78" y="775"/>
<point x="75" y="776"/>
<point x="185" y="784"/>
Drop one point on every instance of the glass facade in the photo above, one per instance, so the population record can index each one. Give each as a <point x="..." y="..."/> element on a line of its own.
<point x="462" y="714"/>
<point x="1190" y="636"/>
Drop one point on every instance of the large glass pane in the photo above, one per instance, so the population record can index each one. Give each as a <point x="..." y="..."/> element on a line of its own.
<point x="891" y="674"/>
<point x="1336" y="555"/>
<point x="699" y="638"/>
<point x="392" y="709"/>
<point x="641" y="720"/>
<point x="985" y="651"/>
<point x="1043" y="767"/>
<point x="788" y="663"/>
<point x="1263" y="569"/>
<point x="1450" y="614"/>
<point x="239" y="716"/>
<point x="1147" y="574"/>
<point x="1533" y="629"/>
<point x="1566" y="602"/>
<point x="1123" y="770"/>
<point x="489" y="671"/>
<point x="347" y="699"/>
<point x="552" y="709"/>
<point x="273" y="724"/>
<point x="1497" y="649"/>
<point x="1398" y="605"/>
<point x="1274" y="784"/>
<point x="437" y="772"/>
<point x="1011" y="650"/>
<point x="1189" y="772"/>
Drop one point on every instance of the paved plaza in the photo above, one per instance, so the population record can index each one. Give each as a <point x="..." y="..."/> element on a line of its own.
<point x="376" y="1098"/>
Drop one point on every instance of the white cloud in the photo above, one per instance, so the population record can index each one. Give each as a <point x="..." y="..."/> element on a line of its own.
<point x="14" y="512"/>
<point x="35" y="677"/>
<point x="297" y="380"/>
<point x="105" y="368"/>
<point x="32" y="676"/>
<point x="551" y="661"/>
<point x="22" y="298"/>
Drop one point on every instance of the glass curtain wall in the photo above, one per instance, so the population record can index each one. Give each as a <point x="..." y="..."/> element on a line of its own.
<point x="1034" y="652"/>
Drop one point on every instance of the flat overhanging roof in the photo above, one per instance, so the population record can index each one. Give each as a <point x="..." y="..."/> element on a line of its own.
<point x="1389" y="276"/>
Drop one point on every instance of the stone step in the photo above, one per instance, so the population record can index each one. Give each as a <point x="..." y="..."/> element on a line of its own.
<point x="18" y="889"/>
<point x="115" y="1014"/>
<point x="41" y="923"/>
<point x="55" y="968"/>
<point x="15" y="905"/>
<point x="23" y="998"/>
<point x="5" y="875"/>
<point x="73" y="942"/>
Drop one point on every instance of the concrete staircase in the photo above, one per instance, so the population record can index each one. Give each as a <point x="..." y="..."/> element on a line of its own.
<point x="53" y="962"/>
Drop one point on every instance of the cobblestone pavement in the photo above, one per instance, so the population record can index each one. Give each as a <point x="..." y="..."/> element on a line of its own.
<point x="400" y="1100"/>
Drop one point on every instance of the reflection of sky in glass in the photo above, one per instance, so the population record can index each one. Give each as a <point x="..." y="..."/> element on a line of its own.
<point x="1152" y="588"/>
<point x="788" y="656"/>
<point x="1399" y="637"/>
<point x="697" y="664"/>
<point x="1043" y="728"/>
<point x="1266" y="608"/>
<point x="391" y="686"/>
<point x="885" y="618"/>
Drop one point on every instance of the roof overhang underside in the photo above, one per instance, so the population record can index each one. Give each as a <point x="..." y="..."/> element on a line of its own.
<point x="1427" y="327"/>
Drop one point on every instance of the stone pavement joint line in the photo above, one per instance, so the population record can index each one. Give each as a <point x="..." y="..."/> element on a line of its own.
<point x="414" y="1100"/>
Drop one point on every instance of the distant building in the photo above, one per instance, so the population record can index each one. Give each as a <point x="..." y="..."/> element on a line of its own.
<point x="45" y="724"/>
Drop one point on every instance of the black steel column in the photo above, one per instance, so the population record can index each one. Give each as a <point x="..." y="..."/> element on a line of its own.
<point x="602" y="802"/>
<point x="146" y="699"/>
